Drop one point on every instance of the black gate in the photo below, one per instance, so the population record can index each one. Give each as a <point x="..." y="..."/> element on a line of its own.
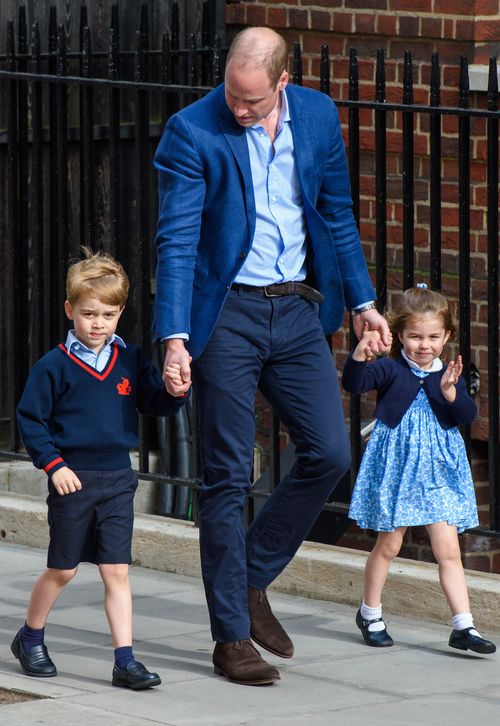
<point x="78" y="129"/>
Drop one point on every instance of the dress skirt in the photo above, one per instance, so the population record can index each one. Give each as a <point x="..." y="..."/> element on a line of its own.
<point x="414" y="474"/>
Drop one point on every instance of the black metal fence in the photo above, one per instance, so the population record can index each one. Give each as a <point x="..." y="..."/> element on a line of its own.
<point x="77" y="134"/>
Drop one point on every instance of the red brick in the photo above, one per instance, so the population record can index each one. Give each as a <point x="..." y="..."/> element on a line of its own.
<point x="276" y="18"/>
<point x="486" y="7"/>
<point x="236" y="14"/>
<point x="431" y="27"/>
<point x="325" y="3"/>
<point x="386" y="24"/>
<point x="414" y="6"/>
<point x="457" y="7"/>
<point x="465" y="30"/>
<point x="364" y="23"/>
<point x="321" y="20"/>
<point x="256" y="15"/>
<point x="481" y="563"/>
<point x="343" y="22"/>
<point x="409" y="26"/>
<point x="487" y="30"/>
<point x="366" y="4"/>
<point x="298" y="18"/>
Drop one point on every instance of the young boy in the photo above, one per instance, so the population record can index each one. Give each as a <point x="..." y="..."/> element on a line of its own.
<point x="78" y="420"/>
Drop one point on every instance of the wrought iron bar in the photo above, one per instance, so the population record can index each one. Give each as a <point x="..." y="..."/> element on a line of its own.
<point x="381" y="185"/>
<point x="493" y="299"/>
<point x="408" y="175"/>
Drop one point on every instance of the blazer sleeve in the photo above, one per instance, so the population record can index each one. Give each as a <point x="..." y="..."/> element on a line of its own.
<point x="335" y="206"/>
<point x="153" y="398"/>
<point x="182" y="190"/>
<point x="360" y="376"/>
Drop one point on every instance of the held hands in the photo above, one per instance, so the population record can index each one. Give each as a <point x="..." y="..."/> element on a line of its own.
<point x="177" y="369"/>
<point x="376" y="323"/>
<point x="65" y="481"/>
<point x="371" y="343"/>
<point x="450" y="379"/>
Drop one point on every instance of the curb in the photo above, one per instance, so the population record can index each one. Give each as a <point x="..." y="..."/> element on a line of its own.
<point x="321" y="572"/>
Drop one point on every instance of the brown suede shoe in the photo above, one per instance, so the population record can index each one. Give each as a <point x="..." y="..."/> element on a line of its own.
<point x="265" y="628"/>
<point x="241" y="663"/>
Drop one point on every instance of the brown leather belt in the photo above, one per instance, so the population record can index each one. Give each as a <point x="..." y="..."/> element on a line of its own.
<point x="282" y="288"/>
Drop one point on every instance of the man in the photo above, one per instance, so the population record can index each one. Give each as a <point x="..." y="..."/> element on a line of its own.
<point x="255" y="209"/>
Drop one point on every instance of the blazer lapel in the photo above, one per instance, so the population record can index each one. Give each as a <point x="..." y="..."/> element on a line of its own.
<point x="303" y="137"/>
<point x="236" y="138"/>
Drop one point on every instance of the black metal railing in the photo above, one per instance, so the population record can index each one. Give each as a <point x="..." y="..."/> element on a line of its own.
<point x="78" y="131"/>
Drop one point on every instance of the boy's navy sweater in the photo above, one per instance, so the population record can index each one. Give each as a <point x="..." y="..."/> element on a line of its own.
<point x="397" y="387"/>
<point x="72" y="415"/>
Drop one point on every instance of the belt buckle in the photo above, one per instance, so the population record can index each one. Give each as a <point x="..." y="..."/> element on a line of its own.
<point x="270" y="294"/>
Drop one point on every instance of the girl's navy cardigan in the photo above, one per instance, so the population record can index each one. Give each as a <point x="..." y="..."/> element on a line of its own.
<point x="397" y="387"/>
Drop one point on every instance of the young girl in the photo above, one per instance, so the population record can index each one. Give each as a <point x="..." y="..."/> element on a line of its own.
<point x="415" y="469"/>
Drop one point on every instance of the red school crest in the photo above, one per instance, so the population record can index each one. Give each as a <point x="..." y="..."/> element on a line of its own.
<point x="124" y="388"/>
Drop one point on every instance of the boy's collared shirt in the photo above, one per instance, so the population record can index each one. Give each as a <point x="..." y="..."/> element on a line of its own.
<point x="98" y="360"/>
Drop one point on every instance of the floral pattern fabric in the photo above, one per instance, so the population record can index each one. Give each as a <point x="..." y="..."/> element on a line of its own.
<point x="414" y="474"/>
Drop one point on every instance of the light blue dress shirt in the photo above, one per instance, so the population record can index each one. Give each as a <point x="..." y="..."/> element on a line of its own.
<point x="278" y="248"/>
<point x="99" y="360"/>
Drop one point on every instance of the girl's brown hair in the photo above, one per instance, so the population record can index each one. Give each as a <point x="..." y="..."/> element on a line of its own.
<point x="98" y="275"/>
<point x="414" y="302"/>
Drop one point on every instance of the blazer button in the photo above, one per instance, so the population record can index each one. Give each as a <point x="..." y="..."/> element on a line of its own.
<point x="421" y="381"/>
<point x="243" y="255"/>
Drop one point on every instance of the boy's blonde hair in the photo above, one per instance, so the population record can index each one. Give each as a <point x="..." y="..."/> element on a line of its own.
<point x="414" y="302"/>
<point x="98" y="275"/>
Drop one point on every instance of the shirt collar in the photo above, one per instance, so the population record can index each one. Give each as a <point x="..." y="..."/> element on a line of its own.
<point x="71" y="340"/>
<point x="436" y="365"/>
<point x="283" y="117"/>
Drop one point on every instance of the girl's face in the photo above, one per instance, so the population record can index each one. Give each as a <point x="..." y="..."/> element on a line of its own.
<point x="424" y="338"/>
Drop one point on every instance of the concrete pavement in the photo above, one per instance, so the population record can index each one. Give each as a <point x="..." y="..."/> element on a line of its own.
<point x="334" y="679"/>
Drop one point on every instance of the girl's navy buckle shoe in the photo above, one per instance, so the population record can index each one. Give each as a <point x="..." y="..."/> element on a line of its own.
<point x="466" y="640"/>
<point x="377" y="638"/>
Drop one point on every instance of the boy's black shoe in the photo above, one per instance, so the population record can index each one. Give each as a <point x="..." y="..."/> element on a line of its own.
<point x="136" y="676"/>
<point x="377" y="638"/>
<point x="36" y="662"/>
<point x="466" y="640"/>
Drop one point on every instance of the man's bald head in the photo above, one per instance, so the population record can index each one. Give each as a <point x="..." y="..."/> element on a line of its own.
<point x="259" y="48"/>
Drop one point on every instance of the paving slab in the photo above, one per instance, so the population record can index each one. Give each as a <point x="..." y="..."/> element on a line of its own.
<point x="333" y="680"/>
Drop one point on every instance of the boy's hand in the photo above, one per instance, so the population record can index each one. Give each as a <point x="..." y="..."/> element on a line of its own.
<point x="177" y="370"/>
<point x="370" y="344"/>
<point x="450" y="378"/>
<point x="65" y="481"/>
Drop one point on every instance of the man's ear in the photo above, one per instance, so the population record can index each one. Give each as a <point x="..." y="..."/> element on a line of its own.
<point x="283" y="81"/>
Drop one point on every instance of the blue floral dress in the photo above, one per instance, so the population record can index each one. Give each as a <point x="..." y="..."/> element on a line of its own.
<point x="414" y="474"/>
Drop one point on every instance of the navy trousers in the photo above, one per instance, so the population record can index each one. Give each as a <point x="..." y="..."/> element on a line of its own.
<point x="277" y="345"/>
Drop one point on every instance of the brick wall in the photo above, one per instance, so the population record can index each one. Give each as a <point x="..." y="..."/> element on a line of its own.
<point x="452" y="28"/>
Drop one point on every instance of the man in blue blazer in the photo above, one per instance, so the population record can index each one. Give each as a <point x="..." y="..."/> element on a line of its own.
<point x="258" y="257"/>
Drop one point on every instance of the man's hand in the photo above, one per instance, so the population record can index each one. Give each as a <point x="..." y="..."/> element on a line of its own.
<point x="177" y="368"/>
<point x="368" y="346"/>
<point x="376" y="322"/>
<point x="65" y="481"/>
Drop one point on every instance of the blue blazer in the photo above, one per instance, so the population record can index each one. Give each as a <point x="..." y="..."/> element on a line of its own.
<point x="207" y="213"/>
<point x="397" y="388"/>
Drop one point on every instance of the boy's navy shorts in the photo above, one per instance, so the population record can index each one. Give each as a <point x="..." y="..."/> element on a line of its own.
<point x="95" y="523"/>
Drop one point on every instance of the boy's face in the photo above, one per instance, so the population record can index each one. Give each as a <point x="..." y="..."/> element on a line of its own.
<point x="94" y="321"/>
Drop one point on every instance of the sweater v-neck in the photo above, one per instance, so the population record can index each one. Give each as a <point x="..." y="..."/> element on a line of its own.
<point x="100" y="376"/>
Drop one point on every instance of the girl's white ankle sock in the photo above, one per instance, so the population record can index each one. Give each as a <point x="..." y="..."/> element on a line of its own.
<point x="368" y="613"/>
<point x="460" y="621"/>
